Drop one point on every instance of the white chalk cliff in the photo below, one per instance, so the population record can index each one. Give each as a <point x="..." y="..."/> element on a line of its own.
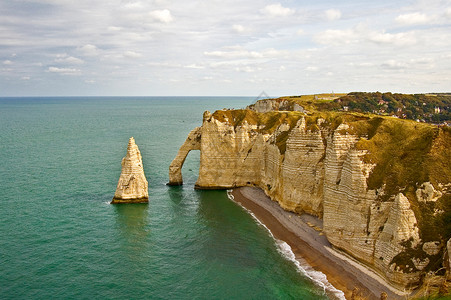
<point x="132" y="186"/>
<point x="313" y="167"/>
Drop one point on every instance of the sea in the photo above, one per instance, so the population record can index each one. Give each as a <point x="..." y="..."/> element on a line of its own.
<point x="60" y="238"/>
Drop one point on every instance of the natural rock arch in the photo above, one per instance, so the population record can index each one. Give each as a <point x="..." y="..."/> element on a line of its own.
<point x="192" y="142"/>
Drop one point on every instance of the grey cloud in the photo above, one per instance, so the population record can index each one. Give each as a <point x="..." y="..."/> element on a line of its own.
<point x="238" y="44"/>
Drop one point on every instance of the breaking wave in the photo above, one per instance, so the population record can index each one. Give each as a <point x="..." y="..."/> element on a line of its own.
<point x="285" y="250"/>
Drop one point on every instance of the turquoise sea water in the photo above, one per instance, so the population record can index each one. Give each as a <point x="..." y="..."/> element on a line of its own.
<point x="60" y="238"/>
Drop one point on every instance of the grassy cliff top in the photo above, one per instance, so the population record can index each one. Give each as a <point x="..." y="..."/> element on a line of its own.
<point x="406" y="154"/>
<point x="431" y="108"/>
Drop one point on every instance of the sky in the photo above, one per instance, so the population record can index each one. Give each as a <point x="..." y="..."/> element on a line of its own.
<point x="223" y="47"/>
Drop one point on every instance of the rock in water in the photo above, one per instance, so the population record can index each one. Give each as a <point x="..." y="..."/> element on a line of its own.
<point x="132" y="186"/>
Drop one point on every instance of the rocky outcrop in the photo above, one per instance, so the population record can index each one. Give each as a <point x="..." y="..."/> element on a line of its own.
<point x="192" y="142"/>
<point x="321" y="165"/>
<point x="268" y="105"/>
<point x="132" y="186"/>
<point x="427" y="193"/>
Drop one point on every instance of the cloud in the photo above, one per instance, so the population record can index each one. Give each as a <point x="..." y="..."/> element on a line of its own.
<point x="238" y="28"/>
<point x="394" y="65"/>
<point x="333" y="14"/>
<point x="134" y="5"/>
<point x="311" y="68"/>
<point x="337" y="37"/>
<point x="240" y="53"/>
<point x="234" y="54"/>
<point x="227" y="39"/>
<point x="277" y="10"/>
<point x="361" y="34"/>
<point x="132" y="54"/>
<point x="69" y="60"/>
<point x="162" y="16"/>
<point x="247" y="69"/>
<point x="194" y="66"/>
<point x="114" y="28"/>
<point x="397" y="39"/>
<point x="448" y="12"/>
<point x="413" y="19"/>
<point x="64" y="71"/>
<point x="88" y="50"/>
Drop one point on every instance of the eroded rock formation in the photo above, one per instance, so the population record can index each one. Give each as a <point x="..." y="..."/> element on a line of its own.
<point x="132" y="186"/>
<point x="325" y="166"/>
<point x="175" y="169"/>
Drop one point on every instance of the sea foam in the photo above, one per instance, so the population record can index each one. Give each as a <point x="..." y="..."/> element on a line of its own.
<point x="285" y="250"/>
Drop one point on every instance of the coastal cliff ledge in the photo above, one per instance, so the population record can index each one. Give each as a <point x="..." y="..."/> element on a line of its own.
<point x="382" y="185"/>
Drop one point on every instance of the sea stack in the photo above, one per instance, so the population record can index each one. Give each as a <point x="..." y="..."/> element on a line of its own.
<point x="132" y="186"/>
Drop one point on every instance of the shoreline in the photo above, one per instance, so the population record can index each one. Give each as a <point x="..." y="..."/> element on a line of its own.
<point x="304" y="235"/>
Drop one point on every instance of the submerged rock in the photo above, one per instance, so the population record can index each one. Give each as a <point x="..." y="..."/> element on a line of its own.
<point x="132" y="186"/>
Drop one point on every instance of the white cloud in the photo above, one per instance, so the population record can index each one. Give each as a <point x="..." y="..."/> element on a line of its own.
<point x="165" y="65"/>
<point x="137" y="5"/>
<point x="114" y="28"/>
<point x="69" y="60"/>
<point x="241" y="53"/>
<point x="337" y="37"/>
<point x="246" y="69"/>
<point x="63" y="71"/>
<point x="238" y="28"/>
<point x="300" y="32"/>
<point x="88" y="50"/>
<point x="394" y="65"/>
<point x="234" y="54"/>
<point x="397" y="39"/>
<point x="448" y="12"/>
<point x="277" y="10"/>
<point x="194" y="66"/>
<point x="163" y="16"/>
<point x="7" y="62"/>
<point x="132" y="54"/>
<point x="362" y="64"/>
<point x="311" y="68"/>
<point x="25" y="78"/>
<point x="361" y="34"/>
<point x="333" y="14"/>
<point x="225" y="40"/>
<point x="413" y="19"/>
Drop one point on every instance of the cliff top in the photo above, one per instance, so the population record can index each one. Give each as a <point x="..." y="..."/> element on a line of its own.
<point x="430" y="108"/>
<point x="406" y="153"/>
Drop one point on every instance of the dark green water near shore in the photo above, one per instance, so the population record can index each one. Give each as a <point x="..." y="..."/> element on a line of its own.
<point x="60" y="237"/>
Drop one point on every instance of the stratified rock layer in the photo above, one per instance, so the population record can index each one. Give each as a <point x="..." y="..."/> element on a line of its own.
<point x="132" y="186"/>
<point x="319" y="165"/>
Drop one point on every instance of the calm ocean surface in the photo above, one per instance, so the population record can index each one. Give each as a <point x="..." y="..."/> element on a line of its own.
<point x="60" y="159"/>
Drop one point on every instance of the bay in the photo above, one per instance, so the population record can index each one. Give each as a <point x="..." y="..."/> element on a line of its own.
<point x="60" y="237"/>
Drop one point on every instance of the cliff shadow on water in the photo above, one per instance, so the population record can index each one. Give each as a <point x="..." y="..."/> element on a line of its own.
<point x="238" y="249"/>
<point x="132" y="223"/>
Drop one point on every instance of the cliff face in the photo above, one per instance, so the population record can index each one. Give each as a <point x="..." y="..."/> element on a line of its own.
<point x="132" y="186"/>
<point x="330" y="166"/>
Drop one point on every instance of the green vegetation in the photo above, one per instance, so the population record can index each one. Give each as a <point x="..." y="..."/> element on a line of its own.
<point x="430" y="108"/>
<point x="405" y="153"/>
<point x="268" y="122"/>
